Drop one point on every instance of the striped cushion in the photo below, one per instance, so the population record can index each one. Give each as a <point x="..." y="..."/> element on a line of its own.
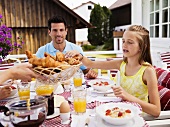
<point x="164" y="88"/>
<point x="163" y="77"/>
<point x="164" y="97"/>
<point x="166" y="58"/>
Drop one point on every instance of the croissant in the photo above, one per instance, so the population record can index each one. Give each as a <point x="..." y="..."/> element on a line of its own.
<point x="60" y="56"/>
<point x="29" y="54"/>
<point x="50" y="62"/>
<point x="46" y="54"/>
<point x="36" y="61"/>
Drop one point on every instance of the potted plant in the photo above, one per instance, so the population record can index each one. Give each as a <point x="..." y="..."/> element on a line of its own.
<point x="6" y="46"/>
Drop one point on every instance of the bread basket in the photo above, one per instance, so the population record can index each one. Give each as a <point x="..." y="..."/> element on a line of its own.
<point x="56" y="74"/>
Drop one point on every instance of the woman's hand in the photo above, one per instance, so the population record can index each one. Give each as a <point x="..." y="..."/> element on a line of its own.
<point x="5" y="92"/>
<point x="22" y="71"/>
<point x="120" y="92"/>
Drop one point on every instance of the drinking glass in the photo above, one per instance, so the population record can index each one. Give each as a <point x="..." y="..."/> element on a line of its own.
<point x="45" y="88"/>
<point x="23" y="90"/>
<point x="79" y="100"/>
<point x="77" y="78"/>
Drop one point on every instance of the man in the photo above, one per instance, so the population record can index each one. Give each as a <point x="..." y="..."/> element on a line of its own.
<point x="57" y="29"/>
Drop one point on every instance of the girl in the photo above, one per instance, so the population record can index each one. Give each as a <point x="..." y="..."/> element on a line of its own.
<point x="138" y="77"/>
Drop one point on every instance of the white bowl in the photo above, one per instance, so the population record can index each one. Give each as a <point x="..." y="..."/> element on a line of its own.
<point x="102" y="88"/>
<point x="100" y="110"/>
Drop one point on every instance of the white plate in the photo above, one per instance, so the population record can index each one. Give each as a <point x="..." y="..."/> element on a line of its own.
<point x="102" y="92"/>
<point x="55" y="114"/>
<point x="108" y="99"/>
<point x="136" y="122"/>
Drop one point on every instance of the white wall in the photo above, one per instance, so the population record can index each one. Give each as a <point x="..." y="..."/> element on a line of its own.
<point x="81" y="34"/>
<point x="141" y="16"/>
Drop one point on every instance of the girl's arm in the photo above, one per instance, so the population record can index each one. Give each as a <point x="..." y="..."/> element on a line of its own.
<point x="114" y="64"/>
<point x="153" y="107"/>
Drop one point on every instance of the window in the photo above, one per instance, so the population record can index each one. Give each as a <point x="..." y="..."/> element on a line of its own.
<point x="160" y="18"/>
<point x="89" y="7"/>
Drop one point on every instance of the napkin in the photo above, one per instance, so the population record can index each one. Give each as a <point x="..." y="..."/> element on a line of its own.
<point x="78" y="120"/>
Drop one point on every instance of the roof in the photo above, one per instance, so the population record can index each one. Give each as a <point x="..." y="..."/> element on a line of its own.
<point x="80" y="20"/>
<point x="83" y="4"/>
<point x="119" y="3"/>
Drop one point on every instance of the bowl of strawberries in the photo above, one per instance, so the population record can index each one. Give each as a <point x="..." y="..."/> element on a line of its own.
<point x="102" y="85"/>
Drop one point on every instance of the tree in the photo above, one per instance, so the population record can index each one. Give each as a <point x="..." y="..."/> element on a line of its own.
<point x="100" y="19"/>
<point x="106" y="24"/>
<point x="96" y="19"/>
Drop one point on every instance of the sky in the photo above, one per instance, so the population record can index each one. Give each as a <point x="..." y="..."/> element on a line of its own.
<point x="74" y="3"/>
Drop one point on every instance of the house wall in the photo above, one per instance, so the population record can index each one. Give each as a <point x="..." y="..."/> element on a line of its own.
<point x="81" y="34"/>
<point x="141" y="10"/>
<point x="29" y="19"/>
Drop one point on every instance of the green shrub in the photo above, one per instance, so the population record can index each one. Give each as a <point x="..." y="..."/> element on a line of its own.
<point x="108" y="45"/>
<point x="88" y="47"/>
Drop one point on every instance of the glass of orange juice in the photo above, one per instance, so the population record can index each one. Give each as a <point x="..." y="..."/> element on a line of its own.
<point x="79" y="100"/>
<point x="44" y="88"/>
<point x="77" y="78"/>
<point x="23" y="90"/>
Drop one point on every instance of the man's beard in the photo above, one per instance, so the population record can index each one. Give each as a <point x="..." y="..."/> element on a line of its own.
<point x="59" y="42"/>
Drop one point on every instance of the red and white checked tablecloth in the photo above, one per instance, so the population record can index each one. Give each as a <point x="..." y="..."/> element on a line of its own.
<point x="56" y="122"/>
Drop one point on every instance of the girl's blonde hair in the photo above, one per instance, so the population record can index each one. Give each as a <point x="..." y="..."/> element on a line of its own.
<point x="144" y="43"/>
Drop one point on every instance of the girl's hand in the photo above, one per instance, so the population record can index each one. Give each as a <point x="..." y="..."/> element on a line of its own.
<point x="73" y="53"/>
<point x="120" y="92"/>
<point x="91" y="74"/>
<point x="5" y="92"/>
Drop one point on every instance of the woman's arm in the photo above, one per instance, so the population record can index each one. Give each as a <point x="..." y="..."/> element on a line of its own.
<point x="21" y="71"/>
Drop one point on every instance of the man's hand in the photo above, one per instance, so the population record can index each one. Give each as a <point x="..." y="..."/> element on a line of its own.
<point x="91" y="74"/>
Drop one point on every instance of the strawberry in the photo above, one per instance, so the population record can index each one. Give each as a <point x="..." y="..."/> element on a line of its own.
<point x="127" y="111"/>
<point x="13" y="87"/>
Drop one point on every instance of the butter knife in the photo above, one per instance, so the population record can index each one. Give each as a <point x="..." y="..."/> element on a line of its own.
<point x="87" y="122"/>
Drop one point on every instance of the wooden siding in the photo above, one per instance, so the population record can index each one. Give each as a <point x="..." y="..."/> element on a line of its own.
<point x="29" y="19"/>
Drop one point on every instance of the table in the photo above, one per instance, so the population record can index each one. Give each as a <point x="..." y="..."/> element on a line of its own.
<point x="56" y="122"/>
